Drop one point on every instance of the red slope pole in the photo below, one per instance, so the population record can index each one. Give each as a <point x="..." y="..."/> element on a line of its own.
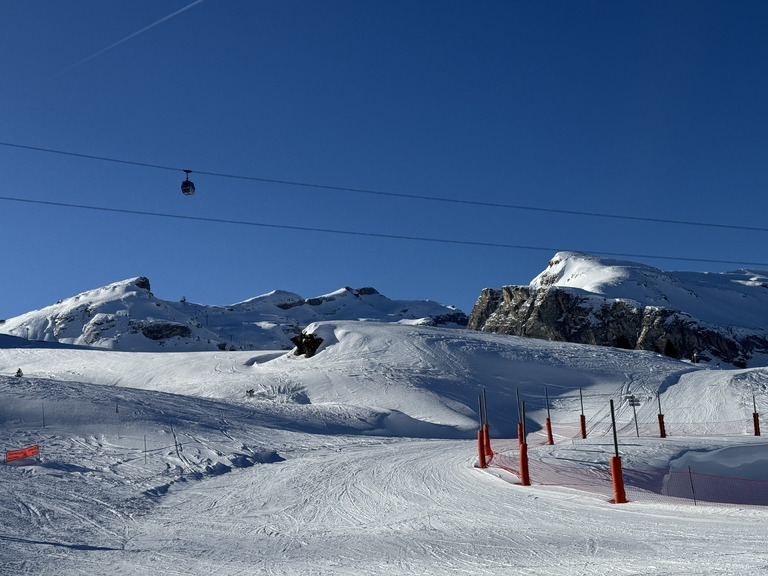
<point x="662" y="427"/>
<point x="480" y="449"/>
<point x="755" y="417"/>
<point x="487" y="436"/>
<point x="582" y="419"/>
<point x="525" y="479"/>
<point x="619" y="494"/>
<point x="486" y="430"/>
<point x="550" y="440"/>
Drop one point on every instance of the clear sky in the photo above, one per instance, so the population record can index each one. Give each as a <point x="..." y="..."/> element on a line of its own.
<point x="655" y="110"/>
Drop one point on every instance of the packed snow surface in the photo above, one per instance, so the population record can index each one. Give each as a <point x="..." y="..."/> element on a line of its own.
<point x="361" y="459"/>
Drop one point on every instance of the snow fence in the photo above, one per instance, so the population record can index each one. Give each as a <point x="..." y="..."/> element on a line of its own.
<point x="669" y="486"/>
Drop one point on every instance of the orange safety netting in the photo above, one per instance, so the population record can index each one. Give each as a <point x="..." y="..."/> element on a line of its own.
<point x="640" y="485"/>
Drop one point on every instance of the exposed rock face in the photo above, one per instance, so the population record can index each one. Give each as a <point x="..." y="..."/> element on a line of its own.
<point x="162" y="331"/>
<point x="552" y="312"/>
<point x="306" y="344"/>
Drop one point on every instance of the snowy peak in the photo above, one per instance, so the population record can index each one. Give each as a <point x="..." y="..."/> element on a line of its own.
<point x="738" y="298"/>
<point x="127" y="316"/>
<point x="594" y="300"/>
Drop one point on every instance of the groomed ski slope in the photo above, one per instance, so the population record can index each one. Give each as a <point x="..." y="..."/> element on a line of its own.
<point x="358" y="460"/>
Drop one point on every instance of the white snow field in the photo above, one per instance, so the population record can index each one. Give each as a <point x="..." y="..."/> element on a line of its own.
<point x="361" y="459"/>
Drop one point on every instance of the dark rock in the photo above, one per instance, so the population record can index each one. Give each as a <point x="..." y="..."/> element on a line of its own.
<point x="306" y="344"/>
<point x="143" y="283"/>
<point x="162" y="331"/>
<point x="552" y="313"/>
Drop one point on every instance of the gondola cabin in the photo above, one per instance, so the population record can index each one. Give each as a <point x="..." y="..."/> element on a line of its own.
<point x="188" y="187"/>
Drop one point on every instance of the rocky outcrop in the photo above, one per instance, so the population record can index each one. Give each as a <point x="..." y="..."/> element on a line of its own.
<point x="306" y="344"/>
<point x="165" y="330"/>
<point x="552" y="313"/>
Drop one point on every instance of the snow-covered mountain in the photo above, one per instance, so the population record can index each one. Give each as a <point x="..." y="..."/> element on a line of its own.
<point x="127" y="316"/>
<point x="594" y="300"/>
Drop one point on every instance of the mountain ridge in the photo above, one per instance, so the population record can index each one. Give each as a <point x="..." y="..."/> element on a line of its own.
<point x="126" y="316"/>
<point x="590" y="299"/>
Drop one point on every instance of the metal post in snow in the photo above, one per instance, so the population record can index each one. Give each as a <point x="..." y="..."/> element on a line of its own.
<point x="619" y="494"/>
<point x="480" y="409"/>
<point x="615" y="437"/>
<point x="486" y="430"/>
<point x="755" y="416"/>
<point x="550" y="440"/>
<point x="525" y="479"/>
<point x="662" y="427"/>
<point x="634" y="402"/>
<point x="693" y="490"/>
<point x="522" y="407"/>
<point x="582" y="418"/>
<point x="519" y="420"/>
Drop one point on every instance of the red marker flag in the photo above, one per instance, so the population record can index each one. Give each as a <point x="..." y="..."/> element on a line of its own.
<point x="18" y="454"/>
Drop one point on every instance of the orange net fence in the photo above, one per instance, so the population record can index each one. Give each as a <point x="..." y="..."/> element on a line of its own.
<point x="652" y="486"/>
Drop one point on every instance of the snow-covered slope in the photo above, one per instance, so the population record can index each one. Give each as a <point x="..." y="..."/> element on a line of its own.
<point x="358" y="460"/>
<point x="127" y="316"/>
<point x="736" y="299"/>
<point x="718" y="317"/>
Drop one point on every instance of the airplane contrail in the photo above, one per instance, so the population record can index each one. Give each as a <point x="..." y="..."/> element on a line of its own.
<point x="130" y="36"/>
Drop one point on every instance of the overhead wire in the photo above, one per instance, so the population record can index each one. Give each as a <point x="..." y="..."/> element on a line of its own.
<point x="367" y="234"/>
<point x="458" y="201"/>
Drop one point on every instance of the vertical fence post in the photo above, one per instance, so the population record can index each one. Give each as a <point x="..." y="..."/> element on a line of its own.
<point x="550" y="440"/>
<point x="662" y="427"/>
<point x="519" y="420"/>
<point x="619" y="494"/>
<point x="480" y="448"/>
<point x="582" y="419"/>
<point x="693" y="490"/>
<point x="480" y="435"/>
<point x="634" y="402"/>
<point x="755" y="416"/>
<point x="525" y="479"/>
<point x="486" y="429"/>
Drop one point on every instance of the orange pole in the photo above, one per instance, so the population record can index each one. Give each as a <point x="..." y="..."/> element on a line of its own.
<point x="550" y="440"/>
<point x="756" y="421"/>
<point x="662" y="427"/>
<point x="487" y="435"/>
<point x="480" y="449"/>
<point x="619" y="495"/>
<point x="525" y="479"/>
<point x="583" y="420"/>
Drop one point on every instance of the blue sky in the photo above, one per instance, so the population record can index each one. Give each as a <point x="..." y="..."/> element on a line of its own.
<point x="645" y="109"/>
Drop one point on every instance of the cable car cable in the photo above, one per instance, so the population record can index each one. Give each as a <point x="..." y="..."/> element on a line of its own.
<point x="407" y="196"/>
<point x="371" y="234"/>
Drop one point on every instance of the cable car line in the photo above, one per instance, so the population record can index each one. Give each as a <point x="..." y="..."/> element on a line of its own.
<point x="404" y="195"/>
<point x="370" y="234"/>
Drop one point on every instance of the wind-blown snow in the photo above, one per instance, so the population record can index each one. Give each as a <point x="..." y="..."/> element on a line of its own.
<point x="359" y="460"/>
